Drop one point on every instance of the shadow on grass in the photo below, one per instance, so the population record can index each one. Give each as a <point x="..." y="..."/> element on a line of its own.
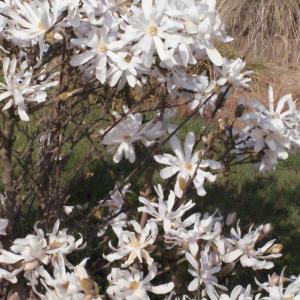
<point x="262" y="198"/>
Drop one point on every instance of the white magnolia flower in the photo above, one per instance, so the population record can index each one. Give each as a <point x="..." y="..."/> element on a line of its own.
<point x="29" y="21"/>
<point x="117" y="216"/>
<point x="35" y="248"/>
<point x="242" y="249"/>
<point x="278" y="290"/>
<point x="187" y="233"/>
<point x="18" y="89"/>
<point x="71" y="7"/>
<point x="94" y="11"/>
<point x="154" y="30"/>
<point x="124" y="69"/>
<point x="65" y="285"/>
<point x="231" y="72"/>
<point x="270" y="131"/>
<point x="128" y="131"/>
<point x="100" y="46"/>
<point x="186" y="165"/>
<point x="239" y="293"/>
<point x="132" y="285"/>
<point x="204" y="273"/>
<point x="201" y="21"/>
<point x="133" y="245"/>
<point x="61" y="242"/>
<point x="3" y="225"/>
<point x="163" y="210"/>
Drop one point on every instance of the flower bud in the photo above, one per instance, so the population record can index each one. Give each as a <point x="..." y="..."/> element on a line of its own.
<point x="230" y="218"/>
<point x="276" y="249"/>
<point x="50" y="37"/>
<point x="268" y="228"/>
<point x="65" y="96"/>
<point x="182" y="183"/>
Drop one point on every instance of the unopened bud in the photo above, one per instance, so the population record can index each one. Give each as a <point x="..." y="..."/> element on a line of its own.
<point x="87" y="285"/>
<point x="50" y="37"/>
<point x="268" y="228"/>
<point x="65" y="96"/>
<point x="276" y="249"/>
<point x="230" y="218"/>
<point x="275" y="279"/>
<point x="97" y="213"/>
<point x="256" y="156"/>
<point x="182" y="183"/>
<point x="210" y="138"/>
<point x="227" y="269"/>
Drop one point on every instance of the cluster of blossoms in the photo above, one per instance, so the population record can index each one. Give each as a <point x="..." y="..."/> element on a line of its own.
<point x="271" y="132"/>
<point x="123" y="45"/>
<point x="200" y="240"/>
<point x="35" y="254"/>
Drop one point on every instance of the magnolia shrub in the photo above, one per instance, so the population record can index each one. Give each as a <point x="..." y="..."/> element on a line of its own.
<point x="111" y="78"/>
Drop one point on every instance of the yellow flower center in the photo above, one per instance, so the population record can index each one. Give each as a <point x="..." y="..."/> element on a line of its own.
<point x="41" y="26"/>
<point x="55" y="245"/>
<point x="128" y="58"/>
<point x="289" y="297"/>
<point x="187" y="166"/>
<point x="152" y="29"/>
<point x="126" y="137"/>
<point x="135" y="243"/>
<point x="134" y="285"/>
<point x="102" y="48"/>
<point x="66" y="285"/>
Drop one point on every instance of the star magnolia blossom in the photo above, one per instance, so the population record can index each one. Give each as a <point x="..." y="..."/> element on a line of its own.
<point x="100" y="46"/>
<point x="133" y="245"/>
<point x="115" y="206"/>
<point x="128" y="131"/>
<point x="202" y="22"/>
<point x="125" y="70"/>
<point x="194" y="228"/>
<point x="203" y="271"/>
<point x="187" y="165"/>
<point x="242" y="249"/>
<point x="35" y="249"/>
<point x="271" y="131"/>
<point x="154" y="30"/>
<point x="18" y="89"/>
<point x="121" y="41"/>
<point x="163" y="210"/>
<point x="277" y="290"/>
<point x="239" y="293"/>
<point x="132" y="285"/>
<point x="65" y="285"/>
<point x="29" y="22"/>
<point x="231" y="72"/>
